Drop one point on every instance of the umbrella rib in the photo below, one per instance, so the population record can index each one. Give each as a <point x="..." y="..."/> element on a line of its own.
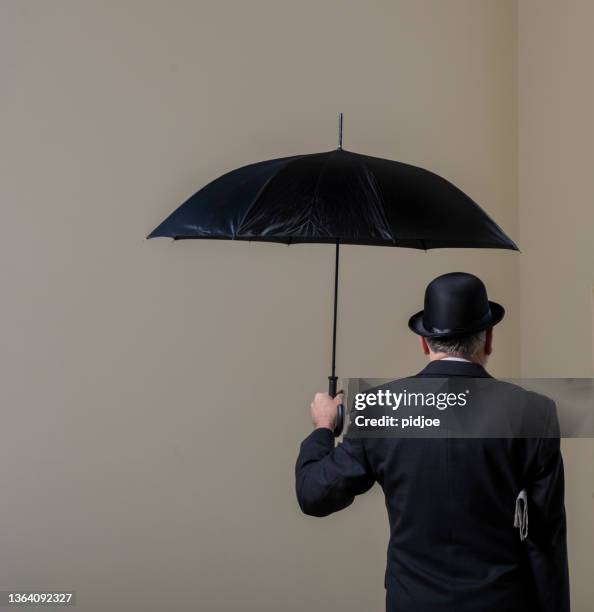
<point x="379" y="198"/>
<point x="316" y="190"/>
<point x="261" y="191"/>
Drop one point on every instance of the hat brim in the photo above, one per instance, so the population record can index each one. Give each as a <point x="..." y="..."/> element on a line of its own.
<point x="415" y="323"/>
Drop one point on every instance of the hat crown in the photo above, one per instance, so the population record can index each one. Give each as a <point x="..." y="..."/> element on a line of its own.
<point x="455" y="301"/>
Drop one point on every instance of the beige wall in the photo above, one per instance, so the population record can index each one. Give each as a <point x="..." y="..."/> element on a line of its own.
<point x="154" y="394"/>
<point x="556" y="156"/>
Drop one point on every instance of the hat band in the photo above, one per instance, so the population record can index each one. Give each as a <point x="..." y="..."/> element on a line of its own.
<point x="453" y="330"/>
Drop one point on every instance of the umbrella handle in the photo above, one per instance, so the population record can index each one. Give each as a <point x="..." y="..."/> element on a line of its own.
<point x="338" y="427"/>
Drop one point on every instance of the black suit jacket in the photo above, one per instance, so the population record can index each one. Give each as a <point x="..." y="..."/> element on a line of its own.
<point x="451" y="505"/>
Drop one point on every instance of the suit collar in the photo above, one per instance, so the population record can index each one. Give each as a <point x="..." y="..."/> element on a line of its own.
<point x="441" y="367"/>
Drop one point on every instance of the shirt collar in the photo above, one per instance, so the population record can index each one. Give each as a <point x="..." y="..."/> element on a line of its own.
<point x="451" y="367"/>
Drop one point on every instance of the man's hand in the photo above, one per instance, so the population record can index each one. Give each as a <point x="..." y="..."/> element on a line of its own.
<point x="323" y="410"/>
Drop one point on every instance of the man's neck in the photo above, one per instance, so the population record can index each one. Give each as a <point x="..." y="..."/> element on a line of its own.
<point x="448" y="357"/>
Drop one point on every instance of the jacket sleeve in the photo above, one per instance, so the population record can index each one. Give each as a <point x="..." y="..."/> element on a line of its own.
<point x="327" y="478"/>
<point x="547" y="531"/>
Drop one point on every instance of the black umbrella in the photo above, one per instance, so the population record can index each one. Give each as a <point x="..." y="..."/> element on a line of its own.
<point x="336" y="197"/>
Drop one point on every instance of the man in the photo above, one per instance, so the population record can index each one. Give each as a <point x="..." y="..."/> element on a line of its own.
<point x="452" y="501"/>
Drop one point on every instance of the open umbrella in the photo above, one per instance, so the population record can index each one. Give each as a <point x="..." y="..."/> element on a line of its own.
<point x="336" y="197"/>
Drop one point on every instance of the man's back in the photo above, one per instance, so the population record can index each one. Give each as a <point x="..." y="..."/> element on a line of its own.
<point x="451" y="504"/>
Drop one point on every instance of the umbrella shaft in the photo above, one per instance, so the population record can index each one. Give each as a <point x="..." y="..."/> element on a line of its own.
<point x="335" y="311"/>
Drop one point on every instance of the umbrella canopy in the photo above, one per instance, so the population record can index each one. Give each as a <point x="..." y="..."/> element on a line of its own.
<point x="337" y="197"/>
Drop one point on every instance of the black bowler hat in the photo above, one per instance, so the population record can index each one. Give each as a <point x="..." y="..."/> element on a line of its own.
<point x="456" y="304"/>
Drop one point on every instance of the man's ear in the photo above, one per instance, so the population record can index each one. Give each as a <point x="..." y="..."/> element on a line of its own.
<point x="489" y="341"/>
<point x="424" y="345"/>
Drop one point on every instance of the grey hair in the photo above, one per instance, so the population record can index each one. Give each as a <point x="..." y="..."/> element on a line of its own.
<point x="462" y="346"/>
